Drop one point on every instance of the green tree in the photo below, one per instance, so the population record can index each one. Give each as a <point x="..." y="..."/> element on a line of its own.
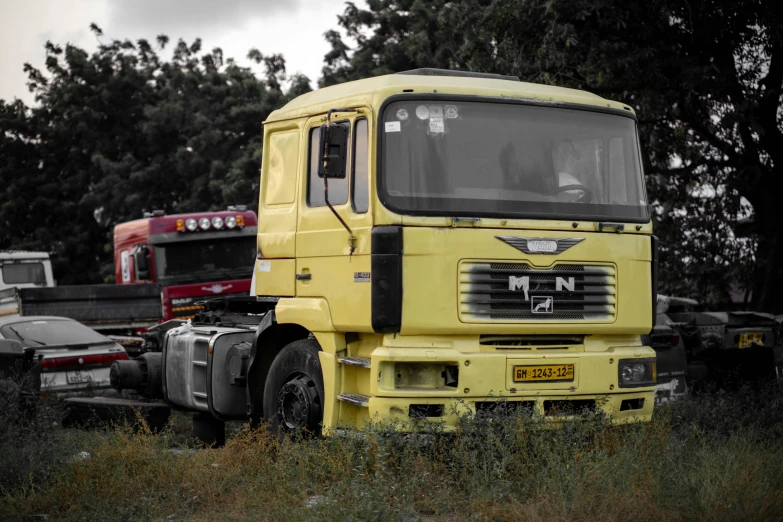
<point x="705" y="77"/>
<point x="122" y="131"/>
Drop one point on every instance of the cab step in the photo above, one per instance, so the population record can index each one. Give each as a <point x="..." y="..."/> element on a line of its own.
<point x="363" y="362"/>
<point x="355" y="398"/>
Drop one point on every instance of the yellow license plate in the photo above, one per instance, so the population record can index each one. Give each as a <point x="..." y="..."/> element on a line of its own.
<point x="545" y="373"/>
<point x="747" y="340"/>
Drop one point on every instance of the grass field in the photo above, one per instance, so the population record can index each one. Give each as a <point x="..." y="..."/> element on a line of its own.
<point x="718" y="456"/>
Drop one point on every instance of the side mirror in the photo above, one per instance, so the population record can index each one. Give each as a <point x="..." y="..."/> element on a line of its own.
<point x="141" y="262"/>
<point x="333" y="151"/>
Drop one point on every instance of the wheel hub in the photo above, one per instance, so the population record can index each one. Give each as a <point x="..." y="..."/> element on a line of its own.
<point x="299" y="405"/>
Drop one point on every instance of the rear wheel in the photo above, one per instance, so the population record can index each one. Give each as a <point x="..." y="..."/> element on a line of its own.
<point x="294" y="391"/>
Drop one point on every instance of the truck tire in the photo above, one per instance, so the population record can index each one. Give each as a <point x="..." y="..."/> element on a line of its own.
<point x="294" y="390"/>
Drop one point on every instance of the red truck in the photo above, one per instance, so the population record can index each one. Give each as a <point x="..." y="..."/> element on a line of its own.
<point x="164" y="265"/>
<point x="191" y="257"/>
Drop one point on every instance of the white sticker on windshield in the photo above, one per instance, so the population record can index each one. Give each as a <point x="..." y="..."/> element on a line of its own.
<point x="451" y="112"/>
<point x="436" y="111"/>
<point x="402" y="114"/>
<point x="264" y="266"/>
<point x="437" y="126"/>
<point x="392" y="126"/>
<point x="422" y="112"/>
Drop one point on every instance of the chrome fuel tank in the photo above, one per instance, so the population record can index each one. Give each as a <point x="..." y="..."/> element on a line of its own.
<point x="196" y="372"/>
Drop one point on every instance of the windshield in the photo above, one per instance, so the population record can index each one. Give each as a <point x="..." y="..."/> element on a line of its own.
<point x="21" y="273"/>
<point x="209" y="259"/>
<point x="487" y="158"/>
<point x="52" y="332"/>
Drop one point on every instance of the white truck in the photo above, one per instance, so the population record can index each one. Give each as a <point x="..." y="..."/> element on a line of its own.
<point x="23" y="269"/>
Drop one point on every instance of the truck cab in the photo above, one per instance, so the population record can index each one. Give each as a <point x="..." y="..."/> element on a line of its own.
<point x="431" y="243"/>
<point x="22" y="269"/>
<point x="192" y="256"/>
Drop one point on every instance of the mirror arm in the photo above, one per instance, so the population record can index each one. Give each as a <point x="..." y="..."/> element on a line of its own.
<point x="351" y="238"/>
<point x="329" y="114"/>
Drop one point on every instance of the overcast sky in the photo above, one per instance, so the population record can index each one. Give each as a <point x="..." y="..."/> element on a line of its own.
<point x="293" y="28"/>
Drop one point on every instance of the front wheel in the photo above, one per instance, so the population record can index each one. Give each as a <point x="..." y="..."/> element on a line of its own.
<point x="294" y="390"/>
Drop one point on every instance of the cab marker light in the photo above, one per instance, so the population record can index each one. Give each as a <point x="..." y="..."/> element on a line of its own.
<point x="180" y="225"/>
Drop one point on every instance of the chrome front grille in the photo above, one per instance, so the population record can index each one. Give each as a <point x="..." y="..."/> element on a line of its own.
<point x="495" y="292"/>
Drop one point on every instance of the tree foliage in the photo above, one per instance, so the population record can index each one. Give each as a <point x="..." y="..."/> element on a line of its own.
<point x="705" y="77"/>
<point x="122" y="131"/>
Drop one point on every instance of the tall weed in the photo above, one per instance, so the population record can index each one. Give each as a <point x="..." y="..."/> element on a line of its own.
<point x="713" y="457"/>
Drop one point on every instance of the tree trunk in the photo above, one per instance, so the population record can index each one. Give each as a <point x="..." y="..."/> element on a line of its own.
<point x="768" y="287"/>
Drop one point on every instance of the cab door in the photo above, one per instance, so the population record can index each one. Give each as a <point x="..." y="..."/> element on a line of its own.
<point x="328" y="263"/>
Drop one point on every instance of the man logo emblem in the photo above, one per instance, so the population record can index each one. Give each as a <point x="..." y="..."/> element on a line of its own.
<point x="561" y="283"/>
<point x="542" y="304"/>
<point x="523" y="283"/>
<point x="519" y="283"/>
<point x="541" y="245"/>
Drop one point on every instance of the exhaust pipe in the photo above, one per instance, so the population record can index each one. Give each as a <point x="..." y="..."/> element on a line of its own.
<point x="144" y="375"/>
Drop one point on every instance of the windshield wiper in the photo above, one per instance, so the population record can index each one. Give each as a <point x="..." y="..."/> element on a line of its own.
<point x="182" y="279"/>
<point x="21" y="338"/>
<point x="207" y="276"/>
<point x="229" y="272"/>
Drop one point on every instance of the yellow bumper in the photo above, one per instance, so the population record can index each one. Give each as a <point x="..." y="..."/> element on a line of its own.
<point x="554" y="408"/>
<point x="383" y="393"/>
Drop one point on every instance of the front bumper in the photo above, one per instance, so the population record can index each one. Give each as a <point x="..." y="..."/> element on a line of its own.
<point x="383" y="394"/>
<point x="618" y="408"/>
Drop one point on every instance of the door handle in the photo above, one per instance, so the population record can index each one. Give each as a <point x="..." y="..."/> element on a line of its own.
<point x="304" y="277"/>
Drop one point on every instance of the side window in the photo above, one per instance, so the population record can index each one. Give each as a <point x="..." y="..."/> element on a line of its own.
<point x="338" y="188"/>
<point x="125" y="266"/>
<point x="281" y="168"/>
<point x="360" y="197"/>
<point x="24" y="273"/>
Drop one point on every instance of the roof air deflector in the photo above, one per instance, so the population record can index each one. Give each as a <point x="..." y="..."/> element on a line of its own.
<point x="427" y="71"/>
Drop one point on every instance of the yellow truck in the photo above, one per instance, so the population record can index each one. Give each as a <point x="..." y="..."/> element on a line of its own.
<point x="430" y="243"/>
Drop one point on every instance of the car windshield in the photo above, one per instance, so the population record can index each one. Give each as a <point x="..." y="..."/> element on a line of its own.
<point x="45" y="332"/>
<point x="212" y="259"/>
<point x="23" y="273"/>
<point x="505" y="159"/>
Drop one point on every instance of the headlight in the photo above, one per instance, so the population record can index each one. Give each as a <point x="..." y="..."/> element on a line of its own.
<point x="231" y="222"/>
<point x="191" y="224"/>
<point x="217" y="222"/>
<point x="636" y="373"/>
<point x="204" y="223"/>
<point x="422" y="375"/>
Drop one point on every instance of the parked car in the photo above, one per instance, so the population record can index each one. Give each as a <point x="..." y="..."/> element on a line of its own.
<point x="75" y="359"/>
<point x="672" y="361"/>
<point x="724" y="347"/>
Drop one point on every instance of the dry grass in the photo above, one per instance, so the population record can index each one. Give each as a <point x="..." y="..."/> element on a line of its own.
<point x="718" y="457"/>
